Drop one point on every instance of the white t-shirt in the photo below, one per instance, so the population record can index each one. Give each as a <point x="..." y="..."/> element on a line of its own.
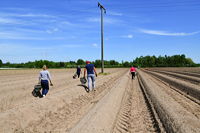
<point x="44" y="75"/>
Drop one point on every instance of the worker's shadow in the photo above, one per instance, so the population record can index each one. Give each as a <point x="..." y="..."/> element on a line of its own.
<point x="85" y="87"/>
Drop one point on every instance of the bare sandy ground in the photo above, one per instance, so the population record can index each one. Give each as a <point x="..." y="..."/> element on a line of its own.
<point x="21" y="112"/>
<point x="117" y="105"/>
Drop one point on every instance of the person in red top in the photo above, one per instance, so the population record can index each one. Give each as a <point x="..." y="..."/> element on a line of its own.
<point x="132" y="71"/>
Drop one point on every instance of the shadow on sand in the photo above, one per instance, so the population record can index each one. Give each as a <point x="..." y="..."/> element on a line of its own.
<point x="85" y="87"/>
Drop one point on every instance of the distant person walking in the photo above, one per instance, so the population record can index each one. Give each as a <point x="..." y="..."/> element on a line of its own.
<point x="44" y="79"/>
<point x="78" y="71"/>
<point x="91" y="72"/>
<point x="133" y="71"/>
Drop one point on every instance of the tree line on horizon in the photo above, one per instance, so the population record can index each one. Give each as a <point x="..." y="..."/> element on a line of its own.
<point x="142" y="61"/>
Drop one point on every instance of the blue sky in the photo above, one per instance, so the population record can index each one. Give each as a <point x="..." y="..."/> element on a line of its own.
<point x="64" y="30"/>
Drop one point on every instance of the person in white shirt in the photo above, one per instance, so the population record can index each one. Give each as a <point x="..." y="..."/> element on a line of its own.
<point x="44" y="79"/>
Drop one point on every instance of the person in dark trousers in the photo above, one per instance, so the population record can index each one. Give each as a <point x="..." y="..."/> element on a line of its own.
<point x="133" y="71"/>
<point x="78" y="71"/>
<point x="91" y="72"/>
<point x="44" y="79"/>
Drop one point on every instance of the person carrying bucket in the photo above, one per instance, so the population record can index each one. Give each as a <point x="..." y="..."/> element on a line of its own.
<point x="91" y="72"/>
<point x="44" y="78"/>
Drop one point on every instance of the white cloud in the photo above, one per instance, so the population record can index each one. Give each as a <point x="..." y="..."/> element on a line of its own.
<point x="35" y="15"/>
<point x="127" y="36"/>
<point x="93" y="19"/>
<point x="15" y="8"/>
<point x="165" y="33"/>
<point x="7" y="48"/>
<point x="9" y="21"/>
<point x="25" y="30"/>
<point x="15" y="21"/>
<point x="14" y="48"/>
<point x="71" y="46"/>
<point x="67" y="23"/>
<point x="18" y="36"/>
<point x="115" y="13"/>
<point x="28" y="19"/>
<point x="106" y="20"/>
<point x="52" y="30"/>
<point x="94" y="45"/>
<point x="26" y="15"/>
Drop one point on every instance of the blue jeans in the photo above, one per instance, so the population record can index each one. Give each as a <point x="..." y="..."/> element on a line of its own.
<point x="78" y="73"/>
<point x="89" y="78"/>
<point x="45" y="86"/>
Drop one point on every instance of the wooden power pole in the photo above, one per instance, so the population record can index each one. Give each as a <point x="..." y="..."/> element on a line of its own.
<point x="102" y="50"/>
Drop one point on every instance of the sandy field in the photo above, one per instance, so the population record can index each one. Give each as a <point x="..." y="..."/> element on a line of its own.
<point x="157" y="100"/>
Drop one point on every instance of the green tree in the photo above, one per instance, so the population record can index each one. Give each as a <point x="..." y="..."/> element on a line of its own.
<point x="67" y="64"/>
<point x="114" y="63"/>
<point x="107" y="63"/>
<point x="97" y="63"/>
<point x="61" y="64"/>
<point x="126" y="64"/>
<point x="1" y="63"/>
<point x="160" y="61"/>
<point x="80" y="62"/>
<point x="189" y="62"/>
<point x="8" y="64"/>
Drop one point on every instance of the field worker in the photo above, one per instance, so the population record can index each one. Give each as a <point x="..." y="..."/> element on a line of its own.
<point x="44" y="79"/>
<point x="133" y="71"/>
<point x="78" y="71"/>
<point x="91" y="72"/>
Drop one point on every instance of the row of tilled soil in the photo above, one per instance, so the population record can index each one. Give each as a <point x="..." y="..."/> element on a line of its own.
<point x="181" y="83"/>
<point x="192" y="71"/>
<point x="176" y="112"/>
<point x="183" y="76"/>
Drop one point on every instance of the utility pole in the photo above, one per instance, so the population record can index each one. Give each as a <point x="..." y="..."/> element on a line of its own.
<point x="102" y="53"/>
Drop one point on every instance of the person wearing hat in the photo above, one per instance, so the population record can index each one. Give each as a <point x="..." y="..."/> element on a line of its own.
<point x="44" y="79"/>
<point x="91" y="72"/>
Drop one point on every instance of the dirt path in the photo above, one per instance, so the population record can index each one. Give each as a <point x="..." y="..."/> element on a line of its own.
<point x="134" y="115"/>
<point x="101" y="117"/>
